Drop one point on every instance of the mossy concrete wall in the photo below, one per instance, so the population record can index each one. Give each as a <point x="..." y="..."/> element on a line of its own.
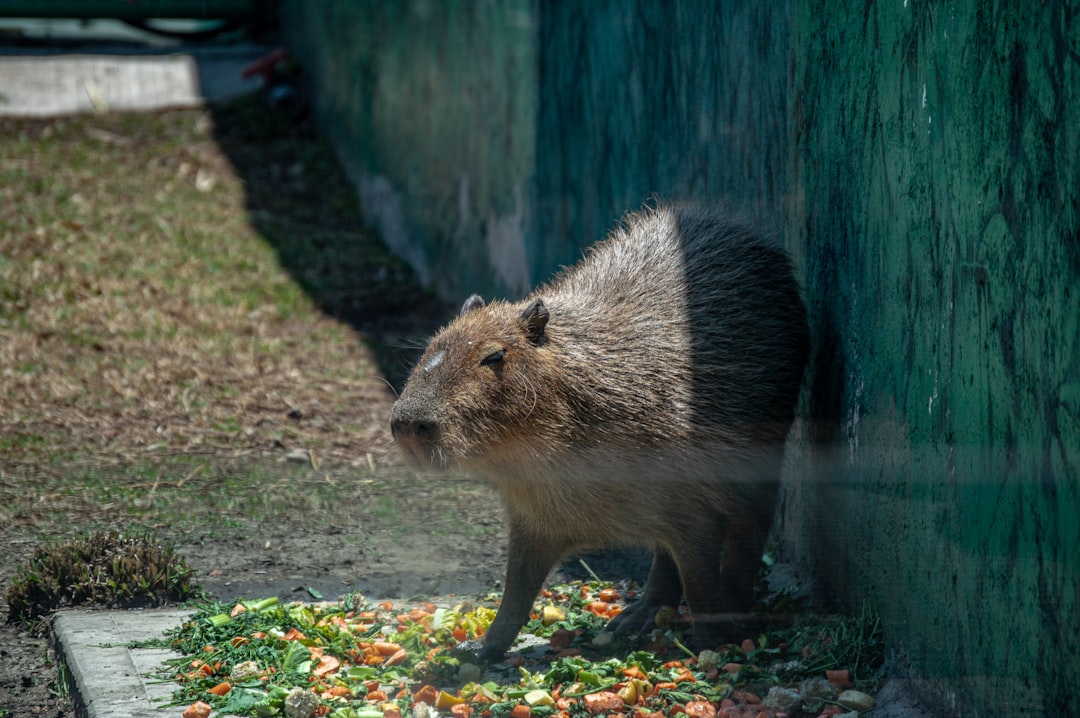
<point x="935" y="167"/>
<point x="922" y="161"/>
<point x="432" y="104"/>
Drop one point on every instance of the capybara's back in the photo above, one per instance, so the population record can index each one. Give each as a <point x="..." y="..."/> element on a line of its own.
<point x="642" y="396"/>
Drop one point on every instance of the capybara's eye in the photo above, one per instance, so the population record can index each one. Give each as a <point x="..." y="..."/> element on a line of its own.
<point x="493" y="358"/>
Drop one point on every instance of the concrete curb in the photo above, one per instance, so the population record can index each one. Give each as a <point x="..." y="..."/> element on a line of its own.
<point x="107" y="679"/>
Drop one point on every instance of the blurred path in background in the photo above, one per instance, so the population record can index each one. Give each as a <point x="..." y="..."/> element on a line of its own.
<point x="60" y="67"/>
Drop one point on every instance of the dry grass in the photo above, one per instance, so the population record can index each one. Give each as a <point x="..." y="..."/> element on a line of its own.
<point x="160" y="302"/>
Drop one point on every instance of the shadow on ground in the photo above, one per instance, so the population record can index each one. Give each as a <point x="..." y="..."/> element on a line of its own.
<point x="351" y="277"/>
<point x="349" y="274"/>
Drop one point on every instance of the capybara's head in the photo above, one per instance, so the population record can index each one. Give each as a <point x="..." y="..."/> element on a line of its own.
<point x="476" y="387"/>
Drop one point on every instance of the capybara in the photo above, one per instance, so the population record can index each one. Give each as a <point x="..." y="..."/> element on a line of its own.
<point x="642" y="396"/>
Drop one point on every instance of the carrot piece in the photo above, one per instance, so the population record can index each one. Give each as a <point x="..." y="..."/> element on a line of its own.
<point x="460" y="634"/>
<point x="340" y="691"/>
<point x="461" y="710"/>
<point x="239" y="641"/>
<point x="294" y="634"/>
<point x="521" y="710"/>
<point x="684" y="675"/>
<point x="427" y="694"/>
<point x="385" y="648"/>
<point x="600" y="608"/>
<point x="700" y="709"/>
<point x="602" y="702"/>
<point x="397" y="658"/>
<point x="198" y="709"/>
<point x="841" y="678"/>
<point x="327" y="664"/>
<point x="221" y="688"/>
<point x="608" y="594"/>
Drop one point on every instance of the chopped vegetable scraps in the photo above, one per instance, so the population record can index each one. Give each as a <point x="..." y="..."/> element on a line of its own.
<point x="360" y="660"/>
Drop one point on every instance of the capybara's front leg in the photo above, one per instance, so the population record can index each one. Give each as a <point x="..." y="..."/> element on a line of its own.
<point x="529" y="561"/>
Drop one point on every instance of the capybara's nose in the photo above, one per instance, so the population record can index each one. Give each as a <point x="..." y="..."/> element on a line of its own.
<point x="407" y="427"/>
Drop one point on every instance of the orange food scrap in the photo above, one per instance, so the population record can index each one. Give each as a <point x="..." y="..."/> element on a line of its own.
<point x="746" y="697"/>
<point x="198" y="709"/>
<point x="562" y="638"/>
<point x="600" y="608"/>
<point x="461" y="710"/>
<point x="294" y="634"/>
<point x="385" y="648"/>
<point x="396" y="659"/>
<point x="221" y="688"/>
<point x="521" y="710"/>
<point x="237" y="610"/>
<point x="602" y="702"/>
<point x="700" y="709"/>
<point x="841" y="678"/>
<point x="339" y="692"/>
<point x="427" y="694"/>
<point x="609" y="595"/>
<point x="684" y="674"/>
<point x="327" y="664"/>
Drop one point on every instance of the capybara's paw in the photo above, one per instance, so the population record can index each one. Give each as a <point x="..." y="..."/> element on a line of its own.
<point x="478" y="651"/>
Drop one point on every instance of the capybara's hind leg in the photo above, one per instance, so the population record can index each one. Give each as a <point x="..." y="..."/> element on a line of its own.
<point x="662" y="588"/>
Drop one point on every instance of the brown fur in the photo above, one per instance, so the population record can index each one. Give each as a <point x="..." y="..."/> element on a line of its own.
<point x="641" y="397"/>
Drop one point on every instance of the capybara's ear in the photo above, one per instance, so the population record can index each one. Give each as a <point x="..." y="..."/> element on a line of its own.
<point x="473" y="302"/>
<point x="534" y="319"/>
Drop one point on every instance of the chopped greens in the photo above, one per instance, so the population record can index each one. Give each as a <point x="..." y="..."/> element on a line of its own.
<point x="356" y="659"/>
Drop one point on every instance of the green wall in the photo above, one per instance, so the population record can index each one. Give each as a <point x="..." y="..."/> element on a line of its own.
<point x="432" y="105"/>
<point x="935" y="159"/>
<point x="921" y="160"/>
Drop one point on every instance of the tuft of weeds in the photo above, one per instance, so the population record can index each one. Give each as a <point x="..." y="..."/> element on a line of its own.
<point x="855" y="642"/>
<point x="105" y="568"/>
